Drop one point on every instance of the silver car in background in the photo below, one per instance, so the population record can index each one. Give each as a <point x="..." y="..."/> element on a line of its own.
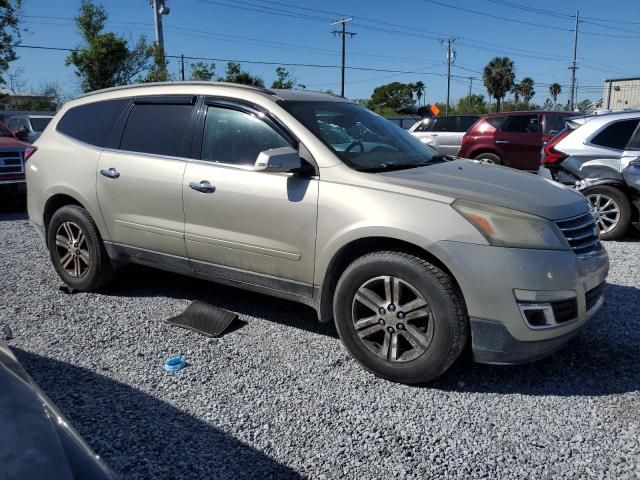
<point x="600" y="156"/>
<point x="443" y="133"/>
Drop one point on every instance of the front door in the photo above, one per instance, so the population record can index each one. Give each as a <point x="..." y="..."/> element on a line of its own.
<point x="139" y="181"/>
<point x="519" y="141"/>
<point x="248" y="226"/>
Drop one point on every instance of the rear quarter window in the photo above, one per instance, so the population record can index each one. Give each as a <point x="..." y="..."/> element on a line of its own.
<point x="92" y="123"/>
<point x="616" y="135"/>
<point x="496" y="122"/>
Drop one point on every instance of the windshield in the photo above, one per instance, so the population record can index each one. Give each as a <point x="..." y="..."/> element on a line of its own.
<point x="362" y="139"/>
<point x="39" y="123"/>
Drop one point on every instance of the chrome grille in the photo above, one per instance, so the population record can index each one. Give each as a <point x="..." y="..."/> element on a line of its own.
<point x="582" y="233"/>
<point x="11" y="163"/>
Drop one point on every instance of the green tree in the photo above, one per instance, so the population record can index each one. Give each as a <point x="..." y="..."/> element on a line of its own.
<point x="472" y="105"/>
<point x="283" y="79"/>
<point x="526" y="89"/>
<point x="234" y="74"/>
<point x="419" y="88"/>
<point x="498" y="77"/>
<point x="391" y="97"/>
<point x="554" y="90"/>
<point x="105" y="59"/>
<point x="202" y="71"/>
<point x="158" y="71"/>
<point x="9" y="33"/>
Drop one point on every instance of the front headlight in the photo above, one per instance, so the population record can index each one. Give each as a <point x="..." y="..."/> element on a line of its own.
<point x="504" y="227"/>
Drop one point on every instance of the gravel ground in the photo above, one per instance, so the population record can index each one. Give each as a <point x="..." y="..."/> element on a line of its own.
<point x="279" y="397"/>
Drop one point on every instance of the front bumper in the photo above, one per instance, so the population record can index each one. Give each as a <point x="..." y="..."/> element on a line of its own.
<point x="488" y="276"/>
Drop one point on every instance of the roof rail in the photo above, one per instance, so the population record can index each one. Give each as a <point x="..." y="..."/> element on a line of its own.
<point x="188" y="82"/>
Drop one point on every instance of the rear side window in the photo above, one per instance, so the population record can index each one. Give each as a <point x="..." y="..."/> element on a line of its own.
<point x="616" y="135"/>
<point x="496" y="122"/>
<point x="13" y="123"/>
<point x="445" y="124"/>
<point x="634" y="143"/>
<point x="156" y="128"/>
<point x="521" y="124"/>
<point x="231" y="136"/>
<point x="466" y="122"/>
<point x="92" y="123"/>
<point x="553" y="124"/>
<point x="424" y="126"/>
<point x="39" y="124"/>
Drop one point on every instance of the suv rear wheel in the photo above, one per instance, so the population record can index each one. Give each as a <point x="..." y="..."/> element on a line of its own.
<point x="489" y="158"/>
<point x="400" y="316"/>
<point x="612" y="210"/>
<point x="76" y="249"/>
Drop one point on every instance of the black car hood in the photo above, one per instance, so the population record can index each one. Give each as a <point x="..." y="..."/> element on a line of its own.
<point x="36" y="441"/>
<point x="496" y="185"/>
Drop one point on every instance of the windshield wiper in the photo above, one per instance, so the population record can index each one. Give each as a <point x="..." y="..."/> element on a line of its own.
<point x="445" y="158"/>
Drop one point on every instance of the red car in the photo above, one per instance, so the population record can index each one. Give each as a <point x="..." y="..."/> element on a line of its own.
<point x="13" y="155"/>
<point x="513" y="139"/>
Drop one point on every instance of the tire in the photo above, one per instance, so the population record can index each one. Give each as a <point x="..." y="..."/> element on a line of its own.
<point x="426" y="345"/>
<point x="83" y="266"/>
<point x="489" y="158"/>
<point x="613" y="210"/>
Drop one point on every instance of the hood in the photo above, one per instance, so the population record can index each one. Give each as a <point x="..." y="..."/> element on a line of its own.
<point x="10" y="142"/>
<point x="496" y="185"/>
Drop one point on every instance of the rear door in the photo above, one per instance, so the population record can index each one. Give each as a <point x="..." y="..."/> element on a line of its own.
<point x="630" y="163"/>
<point x="139" y="181"/>
<point x="519" y="141"/>
<point x="446" y="135"/>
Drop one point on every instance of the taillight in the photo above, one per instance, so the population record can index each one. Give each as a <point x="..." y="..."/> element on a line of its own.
<point x="550" y="154"/>
<point x="28" y="152"/>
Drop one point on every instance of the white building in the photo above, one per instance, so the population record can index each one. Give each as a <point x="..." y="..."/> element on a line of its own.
<point x="621" y="93"/>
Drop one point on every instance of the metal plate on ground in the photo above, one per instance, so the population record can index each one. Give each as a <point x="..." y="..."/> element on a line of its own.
<point x="204" y="318"/>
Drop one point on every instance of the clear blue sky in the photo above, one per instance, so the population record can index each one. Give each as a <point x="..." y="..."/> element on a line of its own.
<point x="299" y="32"/>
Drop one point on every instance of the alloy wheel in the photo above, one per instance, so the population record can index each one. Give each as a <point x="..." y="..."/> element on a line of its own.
<point x="72" y="249"/>
<point x="392" y="319"/>
<point x="605" y="211"/>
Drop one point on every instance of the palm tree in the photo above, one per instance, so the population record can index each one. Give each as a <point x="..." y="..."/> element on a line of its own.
<point x="515" y="89"/>
<point x="498" y="78"/>
<point x="526" y="89"/>
<point x="554" y="90"/>
<point x="418" y="88"/>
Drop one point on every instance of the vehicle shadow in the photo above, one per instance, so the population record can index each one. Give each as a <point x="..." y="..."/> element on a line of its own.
<point x="140" y="436"/>
<point x="603" y="359"/>
<point x="13" y="207"/>
<point x="138" y="281"/>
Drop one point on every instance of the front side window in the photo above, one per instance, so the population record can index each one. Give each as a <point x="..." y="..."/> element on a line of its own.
<point x="521" y="124"/>
<point x="92" y="123"/>
<point x="466" y="122"/>
<point x="424" y="125"/>
<point x="553" y="124"/>
<point x="361" y="139"/>
<point x="232" y="136"/>
<point x="13" y="123"/>
<point x="156" y="128"/>
<point x="616" y="135"/>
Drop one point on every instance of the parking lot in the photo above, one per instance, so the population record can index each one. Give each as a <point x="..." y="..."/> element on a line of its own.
<point x="278" y="396"/>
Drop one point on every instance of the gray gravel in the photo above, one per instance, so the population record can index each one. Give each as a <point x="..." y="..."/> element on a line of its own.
<point x="279" y="396"/>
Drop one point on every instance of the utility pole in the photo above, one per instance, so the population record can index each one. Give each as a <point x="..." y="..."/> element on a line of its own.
<point x="182" y="67"/>
<point x="451" y="54"/>
<point x="469" y="101"/>
<point x="343" y="33"/>
<point x="159" y="9"/>
<point x="573" y="66"/>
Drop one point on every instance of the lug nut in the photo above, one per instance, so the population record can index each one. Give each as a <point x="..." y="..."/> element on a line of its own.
<point x="399" y="326"/>
<point x="392" y="307"/>
<point x="400" y="315"/>
<point x="390" y="329"/>
<point x="382" y="311"/>
<point x="381" y="321"/>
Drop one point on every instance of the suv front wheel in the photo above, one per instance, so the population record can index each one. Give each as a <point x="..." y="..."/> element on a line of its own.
<point x="76" y="249"/>
<point x="400" y="316"/>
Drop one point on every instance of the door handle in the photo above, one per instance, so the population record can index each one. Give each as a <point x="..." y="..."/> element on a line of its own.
<point x="433" y="134"/>
<point x="204" y="186"/>
<point x="502" y="141"/>
<point x="111" y="173"/>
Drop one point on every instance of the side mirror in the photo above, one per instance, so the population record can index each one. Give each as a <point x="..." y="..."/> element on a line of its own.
<point x="284" y="159"/>
<point x="22" y="134"/>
